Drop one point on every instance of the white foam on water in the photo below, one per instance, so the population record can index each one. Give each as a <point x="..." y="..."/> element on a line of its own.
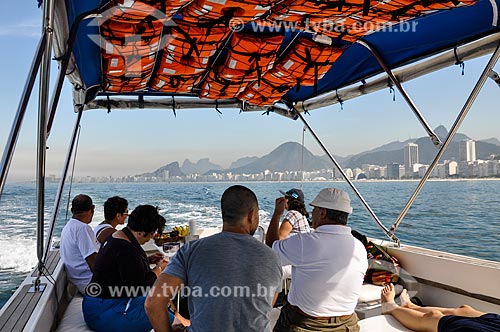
<point x="17" y="253"/>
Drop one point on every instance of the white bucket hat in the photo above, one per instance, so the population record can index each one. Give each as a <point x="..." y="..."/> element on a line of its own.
<point x="333" y="199"/>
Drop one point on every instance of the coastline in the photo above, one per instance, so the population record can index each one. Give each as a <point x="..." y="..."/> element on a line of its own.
<point x="282" y="181"/>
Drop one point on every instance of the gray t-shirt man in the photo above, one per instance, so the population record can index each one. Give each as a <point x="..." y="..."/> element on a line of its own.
<point x="231" y="280"/>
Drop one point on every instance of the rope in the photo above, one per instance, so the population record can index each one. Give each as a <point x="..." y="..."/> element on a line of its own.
<point x="73" y="170"/>
<point x="302" y="166"/>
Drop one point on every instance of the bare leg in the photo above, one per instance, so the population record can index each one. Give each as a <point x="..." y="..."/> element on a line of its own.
<point x="465" y="310"/>
<point x="410" y="318"/>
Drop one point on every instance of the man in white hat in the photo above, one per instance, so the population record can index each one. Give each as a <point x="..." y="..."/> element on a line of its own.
<point x="328" y="267"/>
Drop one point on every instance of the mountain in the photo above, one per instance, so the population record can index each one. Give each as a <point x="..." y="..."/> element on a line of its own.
<point x="242" y="162"/>
<point x="426" y="150"/>
<point x="286" y="157"/>
<point x="172" y="168"/>
<point x="201" y="167"/>
<point x="492" y="140"/>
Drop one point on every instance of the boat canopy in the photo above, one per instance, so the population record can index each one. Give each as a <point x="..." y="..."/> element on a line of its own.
<point x="254" y="53"/>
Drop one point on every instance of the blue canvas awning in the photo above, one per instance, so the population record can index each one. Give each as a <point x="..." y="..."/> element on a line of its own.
<point x="400" y="44"/>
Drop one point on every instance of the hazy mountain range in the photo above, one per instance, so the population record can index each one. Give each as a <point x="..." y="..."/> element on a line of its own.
<point x="288" y="157"/>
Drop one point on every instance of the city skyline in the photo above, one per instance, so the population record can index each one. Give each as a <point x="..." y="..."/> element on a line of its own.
<point x="124" y="142"/>
<point x="409" y="169"/>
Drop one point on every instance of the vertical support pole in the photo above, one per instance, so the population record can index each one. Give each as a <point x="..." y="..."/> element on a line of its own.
<point x="21" y="110"/>
<point x="349" y="182"/>
<point x="435" y="139"/>
<point x="461" y="116"/>
<point x="60" y="189"/>
<point x="48" y="18"/>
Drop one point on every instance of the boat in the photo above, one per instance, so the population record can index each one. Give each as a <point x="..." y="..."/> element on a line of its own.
<point x="283" y="57"/>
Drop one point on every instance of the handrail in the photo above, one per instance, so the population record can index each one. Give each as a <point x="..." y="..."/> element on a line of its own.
<point x="435" y="139"/>
<point x="461" y="116"/>
<point x="48" y="20"/>
<point x="10" y="146"/>
<point x="57" y="201"/>
<point x="469" y="51"/>
<point x="391" y="236"/>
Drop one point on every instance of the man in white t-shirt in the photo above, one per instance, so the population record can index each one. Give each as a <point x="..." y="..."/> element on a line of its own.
<point x="328" y="267"/>
<point x="78" y="247"/>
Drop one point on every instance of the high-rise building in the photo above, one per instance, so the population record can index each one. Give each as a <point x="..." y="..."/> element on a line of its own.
<point x="467" y="150"/>
<point x="392" y="171"/>
<point x="411" y="158"/>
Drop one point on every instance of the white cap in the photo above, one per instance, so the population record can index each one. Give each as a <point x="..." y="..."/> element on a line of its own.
<point x="333" y="199"/>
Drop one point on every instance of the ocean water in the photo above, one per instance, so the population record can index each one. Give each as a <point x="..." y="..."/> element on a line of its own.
<point x="461" y="217"/>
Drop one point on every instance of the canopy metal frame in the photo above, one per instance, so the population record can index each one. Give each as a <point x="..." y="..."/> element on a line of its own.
<point x="349" y="182"/>
<point x="453" y="130"/>
<point x="21" y="111"/>
<point x="43" y="104"/>
<point x="376" y="54"/>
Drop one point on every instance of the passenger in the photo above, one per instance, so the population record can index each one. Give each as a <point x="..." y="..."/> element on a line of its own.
<point x="78" y="247"/>
<point x="328" y="266"/>
<point x="123" y="267"/>
<point x="232" y="278"/>
<point x="115" y="213"/>
<point x="435" y="319"/>
<point x="295" y="220"/>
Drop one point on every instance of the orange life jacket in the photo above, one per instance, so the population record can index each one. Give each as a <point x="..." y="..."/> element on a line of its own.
<point x="124" y="84"/>
<point x="177" y="84"/>
<point x="299" y="10"/>
<point x="129" y="53"/>
<point x="267" y="91"/>
<point x="136" y="10"/>
<point x="229" y="12"/>
<point x="189" y="47"/>
<point x="308" y="61"/>
<point x="216" y="87"/>
<point x="250" y="56"/>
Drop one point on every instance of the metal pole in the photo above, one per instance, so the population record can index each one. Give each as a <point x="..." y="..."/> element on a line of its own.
<point x="57" y="90"/>
<point x="64" y="174"/>
<point x="21" y="110"/>
<point x="435" y="139"/>
<point x="48" y="16"/>
<point x="461" y="116"/>
<point x="346" y="178"/>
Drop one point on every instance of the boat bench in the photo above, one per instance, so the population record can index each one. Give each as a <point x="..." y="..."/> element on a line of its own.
<point x="380" y="323"/>
<point x="369" y="300"/>
<point x="72" y="320"/>
<point x="369" y="304"/>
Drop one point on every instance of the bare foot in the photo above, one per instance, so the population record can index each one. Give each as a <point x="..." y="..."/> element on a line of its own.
<point x="405" y="299"/>
<point x="178" y="319"/>
<point x="387" y="298"/>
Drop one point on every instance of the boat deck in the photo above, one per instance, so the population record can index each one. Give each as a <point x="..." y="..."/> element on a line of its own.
<point x="17" y="313"/>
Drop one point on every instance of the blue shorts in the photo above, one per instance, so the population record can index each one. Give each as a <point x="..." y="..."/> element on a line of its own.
<point x="117" y="315"/>
<point x="484" y="323"/>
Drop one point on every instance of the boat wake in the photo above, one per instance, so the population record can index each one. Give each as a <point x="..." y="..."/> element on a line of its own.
<point x="17" y="253"/>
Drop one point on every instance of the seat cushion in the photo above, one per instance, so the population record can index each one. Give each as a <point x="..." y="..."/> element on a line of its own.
<point x="371" y="293"/>
<point x="382" y="323"/>
<point x="73" y="317"/>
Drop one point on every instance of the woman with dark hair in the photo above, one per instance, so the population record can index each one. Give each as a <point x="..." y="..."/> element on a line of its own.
<point x="114" y="299"/>
<point x="295" y="220"/>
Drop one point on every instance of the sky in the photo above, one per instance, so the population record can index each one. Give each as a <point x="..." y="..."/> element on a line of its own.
<point x="136" y="141"/>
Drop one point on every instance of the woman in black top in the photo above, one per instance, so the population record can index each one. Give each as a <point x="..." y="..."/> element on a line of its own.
<point x="114" y="300"/>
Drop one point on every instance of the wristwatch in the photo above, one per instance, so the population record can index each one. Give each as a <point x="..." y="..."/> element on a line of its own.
<point x="171" y="309"/>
